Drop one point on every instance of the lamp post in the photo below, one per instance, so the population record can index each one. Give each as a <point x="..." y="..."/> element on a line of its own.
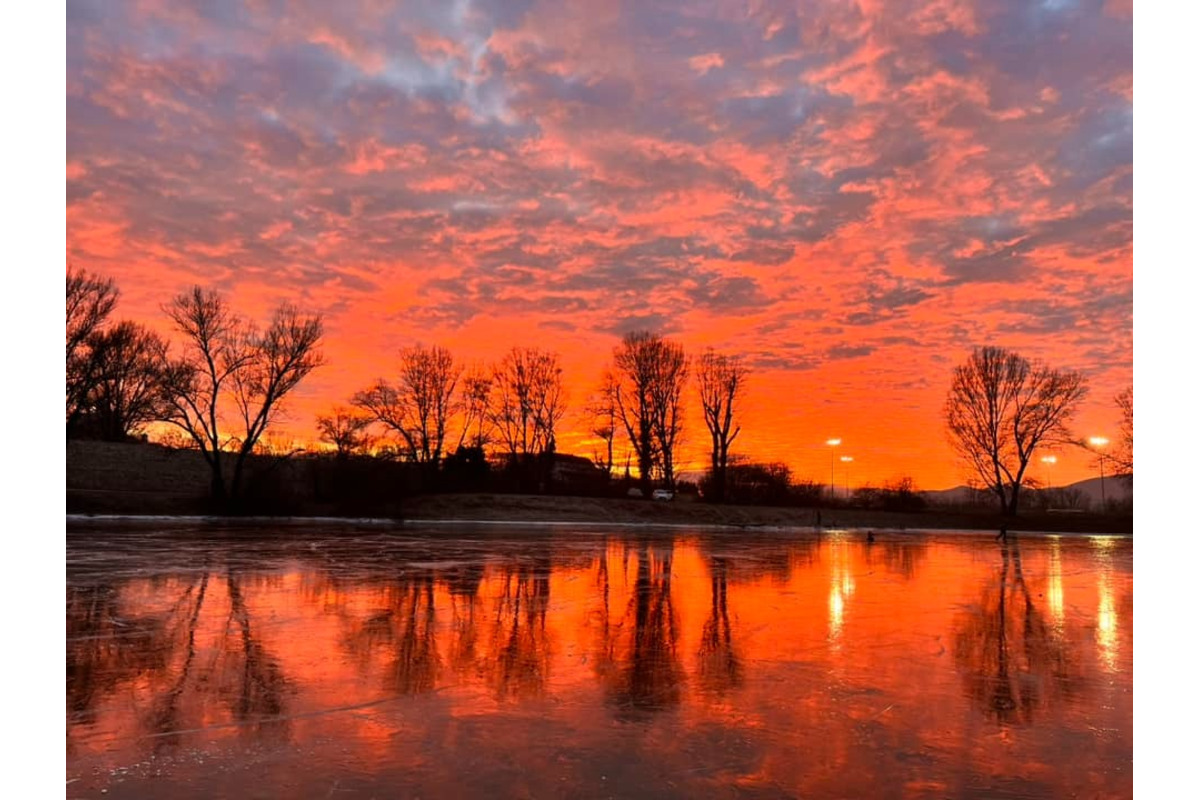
<point x="846" y="460"/>
<point x="1099" y="442"/>
<point x="833" y="443"/>
<point x="1047" y="462"/>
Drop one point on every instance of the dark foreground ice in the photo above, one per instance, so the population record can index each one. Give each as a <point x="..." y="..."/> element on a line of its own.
<point x="340" y="662"/>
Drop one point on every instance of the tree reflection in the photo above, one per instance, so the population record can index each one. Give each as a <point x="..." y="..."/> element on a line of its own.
<point x="259" y="678"/>
<point x="463" y="652"/>
<point x="1012" y="661"/>
<point x="158" y="658"/>
<point x="107" y="648"/>
<point x="898" y="557"/>
<point x="415" y="666"/>
<point x="719" y="666"/>
<point x="166" y="707"/>
<point x="520" y="654"/>
<point x="647" y="674"/>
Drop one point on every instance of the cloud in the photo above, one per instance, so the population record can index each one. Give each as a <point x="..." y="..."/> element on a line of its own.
<point x="835" y="188"/>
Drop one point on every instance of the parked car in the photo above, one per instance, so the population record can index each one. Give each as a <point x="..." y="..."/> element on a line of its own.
<point x="663" y="494"/>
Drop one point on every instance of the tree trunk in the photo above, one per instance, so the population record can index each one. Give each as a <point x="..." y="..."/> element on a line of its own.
<point x="217" y="486"/>
<point x="238" y="469"/>
<point x="1012" y="502"/>
<point x="645" y="463"/>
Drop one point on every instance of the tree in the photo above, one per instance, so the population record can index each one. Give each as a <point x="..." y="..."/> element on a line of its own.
<point x="128" y="367"/>
<point x="651" y="373"/>
<point x="475" y="400"/>
<point x="418" y="406"/>
<point x="230" y="369"/>
<point x="345" y="429"/>
<point x="90" y="301"/>
<point x="529" y="401"/>
<point x="601" y="413"/>
<point x="1001" y="408"/>
<point x="722" y="380"/>
<point x="1123" y="455"/>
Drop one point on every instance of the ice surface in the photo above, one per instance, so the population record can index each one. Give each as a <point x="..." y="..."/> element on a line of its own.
<point x="359" y="659"/>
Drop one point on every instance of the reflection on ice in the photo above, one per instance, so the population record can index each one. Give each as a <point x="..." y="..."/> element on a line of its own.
<point x="841" y="587"/>
<point x="1107" y="633"/>
<point x="1054" y="586"/>
<point x="567" y="663"/>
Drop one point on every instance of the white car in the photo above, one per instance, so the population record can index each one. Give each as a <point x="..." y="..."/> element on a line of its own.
<point x="663" y="494"/>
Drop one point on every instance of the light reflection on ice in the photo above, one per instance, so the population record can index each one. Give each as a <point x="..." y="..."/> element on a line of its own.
<point x="529" y="663"/>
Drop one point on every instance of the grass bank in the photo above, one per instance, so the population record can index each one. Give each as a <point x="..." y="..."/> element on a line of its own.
<point x="536" y="508"/>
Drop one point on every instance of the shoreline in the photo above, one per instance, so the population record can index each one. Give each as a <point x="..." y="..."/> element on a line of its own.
<point x="543" y="511"/>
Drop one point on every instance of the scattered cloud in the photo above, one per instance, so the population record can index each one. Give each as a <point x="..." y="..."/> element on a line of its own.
<point x="823" y="187"/>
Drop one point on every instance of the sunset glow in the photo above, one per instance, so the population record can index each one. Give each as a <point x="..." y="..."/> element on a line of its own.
<point x="798" y="666"/>
<point x="850" y="195"/>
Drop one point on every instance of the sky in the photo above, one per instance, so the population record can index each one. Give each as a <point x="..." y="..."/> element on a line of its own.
<point x="850" y="195"/>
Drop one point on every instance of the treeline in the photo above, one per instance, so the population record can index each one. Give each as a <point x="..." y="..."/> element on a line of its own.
<point x="221" y="388"/>
<point x="456" y="424"/>
<point x="222" y="385"/>
<point x="438" y="412"/>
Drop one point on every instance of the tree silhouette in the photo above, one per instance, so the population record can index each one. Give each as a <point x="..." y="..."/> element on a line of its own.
<point x="601" y="413"/>
<point x="90" y="301"/>
<point x="651" y="373"/>
<point x="1001" y="408"/>
<point x="529" y="401"/>
<point x="346" y="430"/>
<point x="1122" y="456"/>
<point x="418" y="406"/>
<point x="475" y="402"/>
<point x="722" y="380"/>
<point x="231" y="369"/>
<point x="129" y="363"/>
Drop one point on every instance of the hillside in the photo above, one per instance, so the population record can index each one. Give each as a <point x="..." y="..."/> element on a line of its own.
<point x="1085" y="494"/>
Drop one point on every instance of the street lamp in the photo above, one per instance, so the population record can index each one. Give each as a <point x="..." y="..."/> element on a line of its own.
<point x="1049" y="461"/>
<point x="1099" y="442"/>
<point x="846" y="460"/>
<point x="833" y="443"/>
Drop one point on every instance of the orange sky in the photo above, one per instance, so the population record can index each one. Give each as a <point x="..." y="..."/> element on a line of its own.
<point x="851" y="195"/>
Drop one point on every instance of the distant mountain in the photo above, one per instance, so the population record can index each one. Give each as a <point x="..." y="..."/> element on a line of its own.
<point x="1116" y="487"/>
<point x="947" y="497"/>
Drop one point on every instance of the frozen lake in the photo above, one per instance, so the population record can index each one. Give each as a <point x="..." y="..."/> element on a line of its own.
<point x="339" y="661"/>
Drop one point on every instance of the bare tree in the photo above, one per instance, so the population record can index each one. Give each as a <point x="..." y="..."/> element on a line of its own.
<point x="129" y="362"/>
<point x="345" y="429"/>
<point x="1122" y="457"/>
<point x="529" y="401"/>
<point x="475" y="400"/>
<point x="722" y="381"/>
<point x="419" y="405"/>
<point x="651" y="373"/>
<point x="90" y="301"/>
<point x="1001" y="408"/>
<point x="228" y="363"/>
<point x="601" y="416"/>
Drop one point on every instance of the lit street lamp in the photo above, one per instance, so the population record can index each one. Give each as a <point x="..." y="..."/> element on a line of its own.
<point x="846" y="460"/>
<point x="1049" y="461"/>
<point x="1099" y="442"/>
<point x="833" y="443"/>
